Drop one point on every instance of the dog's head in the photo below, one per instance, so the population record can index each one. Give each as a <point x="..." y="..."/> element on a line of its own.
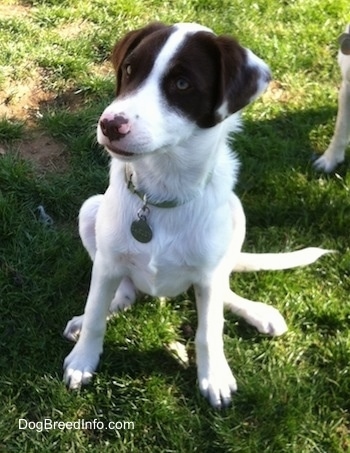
<point x="172" y="81"/>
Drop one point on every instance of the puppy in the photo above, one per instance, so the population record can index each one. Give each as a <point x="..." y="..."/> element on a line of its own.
<point x="335" y="153"/>
<point x="169" y="219"/>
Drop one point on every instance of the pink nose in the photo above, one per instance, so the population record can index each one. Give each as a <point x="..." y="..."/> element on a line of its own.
<point x="114" y="127"/>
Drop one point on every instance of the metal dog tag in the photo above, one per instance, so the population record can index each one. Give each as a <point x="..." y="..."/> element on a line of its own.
<point x="141" y="230"/>
<point x="344" y="41"/>
<point x="345" y="46"/>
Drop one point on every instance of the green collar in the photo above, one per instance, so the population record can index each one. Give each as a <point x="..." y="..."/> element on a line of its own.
<point x="143" y="196"/>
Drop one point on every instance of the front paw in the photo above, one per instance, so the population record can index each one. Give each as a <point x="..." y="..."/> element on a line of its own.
<point x="217" y="384"/>
<point x="80" y="365"/>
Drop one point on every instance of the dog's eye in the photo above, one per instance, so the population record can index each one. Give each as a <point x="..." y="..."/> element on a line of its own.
<point x="128" y="69"/>
<point x="182" y="84"/>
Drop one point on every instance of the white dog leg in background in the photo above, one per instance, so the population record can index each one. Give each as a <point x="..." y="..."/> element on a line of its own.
<point x="335" y="153"/>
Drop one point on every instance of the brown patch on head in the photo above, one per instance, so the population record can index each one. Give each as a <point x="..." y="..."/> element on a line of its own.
<point x="138" y="52"/>
<point x="192" y="80"/>
<point x="242" y="79"/>
<point x="220" y="78"/>
<point x="208" y="78"/>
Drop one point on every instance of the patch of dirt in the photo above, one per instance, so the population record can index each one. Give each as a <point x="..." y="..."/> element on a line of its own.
<point x="42" y="150"/>
<point x="71" y="100"/>
<point x="45" y="153"/>
<point x="7" y="11"/>
<point x="103" y="69"/>
<point x="25" y="101"/>
<point x="72" y="29"/>
<point x="22" y="99"/>
<point x="276" y="92"/>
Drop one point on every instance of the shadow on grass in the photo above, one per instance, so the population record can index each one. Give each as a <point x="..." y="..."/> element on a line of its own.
<point x="284" y="143"/>
<point x="278" y="185"/>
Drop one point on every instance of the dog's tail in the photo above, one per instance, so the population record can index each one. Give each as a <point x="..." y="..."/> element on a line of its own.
<point x="251" y="262"/>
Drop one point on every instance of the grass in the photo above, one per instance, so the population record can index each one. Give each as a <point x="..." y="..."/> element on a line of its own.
<point x="293" y="391"/>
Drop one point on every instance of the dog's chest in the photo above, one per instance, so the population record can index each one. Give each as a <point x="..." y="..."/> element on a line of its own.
<point x="184" y="244"/>
<point x="157" y="274"/>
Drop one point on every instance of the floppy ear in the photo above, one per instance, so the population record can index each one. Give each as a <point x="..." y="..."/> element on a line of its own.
<point x="126" y="45"/>
<point x="244" y="76"/>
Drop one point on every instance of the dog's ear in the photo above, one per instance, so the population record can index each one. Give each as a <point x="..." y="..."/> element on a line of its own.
<point x="244" y="76"/>
<point x="129" y="42"/>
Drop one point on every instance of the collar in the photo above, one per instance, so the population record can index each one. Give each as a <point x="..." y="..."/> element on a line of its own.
<point x="144" y="197"/>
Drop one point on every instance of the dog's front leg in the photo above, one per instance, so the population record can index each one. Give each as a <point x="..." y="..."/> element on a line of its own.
<point x="216" y="381"/>
<point x="80" y="364"/>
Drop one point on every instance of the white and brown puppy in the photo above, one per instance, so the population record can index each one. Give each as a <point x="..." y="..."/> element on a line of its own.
<point x="169" y="218"/>
<point x="335" y="153"/>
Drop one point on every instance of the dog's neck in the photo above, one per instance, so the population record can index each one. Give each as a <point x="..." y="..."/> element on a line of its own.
<point x="166" y="179"/>
<point x="182" y="172"/>
<point x="176" y="174"/>
<point x="145" y="197"/>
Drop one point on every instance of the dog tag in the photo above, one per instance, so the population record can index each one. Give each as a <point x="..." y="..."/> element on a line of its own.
<point x="345" y="46"/>
<point x="344" y="41"/>
<point x="141" y="230"/>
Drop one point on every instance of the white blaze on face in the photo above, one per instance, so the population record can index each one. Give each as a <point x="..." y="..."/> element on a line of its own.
<point x="172" y="45"/>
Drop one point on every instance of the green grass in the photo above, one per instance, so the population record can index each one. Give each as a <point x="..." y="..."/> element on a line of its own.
<point x="293" y="391"/>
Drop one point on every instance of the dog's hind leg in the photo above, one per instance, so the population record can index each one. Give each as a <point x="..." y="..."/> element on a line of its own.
<point x="252" y="262"/>
<point x="124" y="297"/>
<point x="266" y="319"/>
<point x="87" y="223"/>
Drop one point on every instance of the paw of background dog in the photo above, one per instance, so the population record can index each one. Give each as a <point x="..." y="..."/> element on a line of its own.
<point x="328" y="163"/>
